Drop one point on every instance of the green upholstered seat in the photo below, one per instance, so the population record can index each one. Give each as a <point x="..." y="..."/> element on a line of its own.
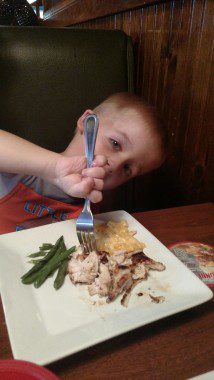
<point x="49" y="76"/>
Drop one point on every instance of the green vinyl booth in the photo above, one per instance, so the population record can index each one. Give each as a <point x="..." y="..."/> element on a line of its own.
<point x="49" y="76"/>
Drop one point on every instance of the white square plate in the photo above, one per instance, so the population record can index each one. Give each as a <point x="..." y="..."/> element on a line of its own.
<point x="45" y="325"/>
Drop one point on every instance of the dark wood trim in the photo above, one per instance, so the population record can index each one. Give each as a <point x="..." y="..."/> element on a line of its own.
<point x="70" y="12"/>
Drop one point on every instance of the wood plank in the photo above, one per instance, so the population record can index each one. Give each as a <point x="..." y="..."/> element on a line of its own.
<point x="180" y="50"/>
<point x="207" y="185"/>
<point x="196" y="142"/>
<point x="136" y="34"/>
<point x="154" y="70"/>
<point x="70" y="12"/>
<point x="163" y="57"/>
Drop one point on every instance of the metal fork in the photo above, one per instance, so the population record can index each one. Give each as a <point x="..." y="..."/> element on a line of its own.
<point x="85" y="221"/>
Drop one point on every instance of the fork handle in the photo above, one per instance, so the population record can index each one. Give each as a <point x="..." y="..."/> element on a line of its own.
<point x="86" y="207"/>
<point x="91" y="124"/>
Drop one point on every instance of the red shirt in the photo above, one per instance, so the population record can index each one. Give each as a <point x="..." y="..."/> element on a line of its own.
<point x="23" y="208"/>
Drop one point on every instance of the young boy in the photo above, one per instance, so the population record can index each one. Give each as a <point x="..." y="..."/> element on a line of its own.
<point x="47" y="186"/>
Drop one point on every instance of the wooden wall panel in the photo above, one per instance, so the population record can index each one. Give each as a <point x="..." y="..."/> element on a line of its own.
<point x="173" y="47"/>
<point x="63" y="12"/>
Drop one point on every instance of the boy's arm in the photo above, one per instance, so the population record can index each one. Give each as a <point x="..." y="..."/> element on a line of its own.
<point x="23" y="157"/>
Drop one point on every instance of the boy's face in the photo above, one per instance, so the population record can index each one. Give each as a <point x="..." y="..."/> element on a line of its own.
<point x="127" y="143"/>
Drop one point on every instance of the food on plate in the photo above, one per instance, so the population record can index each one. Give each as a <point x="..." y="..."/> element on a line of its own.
<point x="157" y="299"/>
<point x="118" y="265"/>
<point x="52" y="258"/>
<point x="115" y="269"/>
<point x="115" y="236"/>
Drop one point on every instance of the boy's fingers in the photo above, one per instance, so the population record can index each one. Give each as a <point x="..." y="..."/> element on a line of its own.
<point x="95" y="196"/>
<point x="88" y="185"/>
<point x="83" y="188"/>
<point x="100" y="160"/>
<point x="98" y="184"/>
<point x="95" y="172"/>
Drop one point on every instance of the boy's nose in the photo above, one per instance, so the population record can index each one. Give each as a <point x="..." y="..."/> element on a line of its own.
<point x="115" y="165"/>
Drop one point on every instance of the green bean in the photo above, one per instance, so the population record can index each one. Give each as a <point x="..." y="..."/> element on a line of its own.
<point x="30" y="279"/>
<point x="43" y="250"/>
<point x="36" y="254"/>
<point x="46" y="246"/>
<point x="60" y="277"/>
<point x="33" y="276"/>
<point x="52" y="273"/>
<point x="62" y="245"/>
<point x="60" y="250"/>
<point x="41" y="263"/>
<point x="42" y="253"/>
<point x="52" y="264"/>
<point x="34" y="261"/>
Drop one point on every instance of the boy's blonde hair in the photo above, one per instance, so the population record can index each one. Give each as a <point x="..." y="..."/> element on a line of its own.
<point x="124" y="101"/>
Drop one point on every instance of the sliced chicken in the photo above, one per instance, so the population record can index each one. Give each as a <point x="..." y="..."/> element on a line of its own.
<point x="140" y="257"/>
<point x="103" y="256"/>
<point x="121" y="280"/>
<point x="79" y="253"/>
<point x="121" y="258"/>
<point x="155" y="265"/>
<point x="126" y="296"/>
<point x="102" y="283"/>
<point x="84" y="270"/>
<point x="139" y="271"/>
<point x="109" y="275"/>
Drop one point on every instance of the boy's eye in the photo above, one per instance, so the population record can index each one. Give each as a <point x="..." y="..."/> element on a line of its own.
<point x="127" y="170"/>
<point x="115" y="144"/>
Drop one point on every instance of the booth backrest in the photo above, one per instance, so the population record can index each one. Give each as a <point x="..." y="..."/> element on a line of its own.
<point x="49" y="76"/>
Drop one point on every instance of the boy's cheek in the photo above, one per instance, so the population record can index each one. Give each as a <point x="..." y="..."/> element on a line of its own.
<point x="111" y="182"/>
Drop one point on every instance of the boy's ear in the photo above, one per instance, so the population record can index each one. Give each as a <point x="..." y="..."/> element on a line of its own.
<point x="81" y="120"/>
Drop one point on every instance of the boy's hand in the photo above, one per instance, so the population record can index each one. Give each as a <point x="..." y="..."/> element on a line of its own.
<point x="75" y="179"/>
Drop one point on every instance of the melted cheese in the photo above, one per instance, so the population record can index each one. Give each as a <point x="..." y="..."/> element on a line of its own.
<point x="115" y="236"/>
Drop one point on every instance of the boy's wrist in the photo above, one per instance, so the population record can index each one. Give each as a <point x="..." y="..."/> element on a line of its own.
<point x="49" y="168"/>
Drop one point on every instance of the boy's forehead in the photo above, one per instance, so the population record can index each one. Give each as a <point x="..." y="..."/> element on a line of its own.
<point x="132" y="124"/>
<point x="127" y="113"/>
<point x="123" y="118"/>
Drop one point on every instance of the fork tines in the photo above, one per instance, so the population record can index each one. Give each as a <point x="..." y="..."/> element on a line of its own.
<point x="87" y="240"/>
